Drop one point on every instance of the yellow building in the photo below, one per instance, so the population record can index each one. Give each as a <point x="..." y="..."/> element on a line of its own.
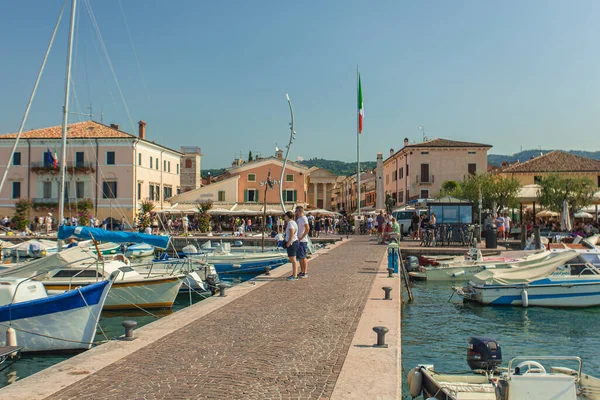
<point x="556" y="162"/>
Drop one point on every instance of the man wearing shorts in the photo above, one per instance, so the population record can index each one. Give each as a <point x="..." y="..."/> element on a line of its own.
<point x="303" y="230"/>
<point x="380" y="222"/>
<point x="291" y="243"/>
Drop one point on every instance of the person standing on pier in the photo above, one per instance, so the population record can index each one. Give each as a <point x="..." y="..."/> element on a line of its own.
<point x="291" y="243"/>
<point x="303" y="230"/>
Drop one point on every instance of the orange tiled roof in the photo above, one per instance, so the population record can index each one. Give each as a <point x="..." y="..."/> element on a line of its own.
<point x="77" y="130"/>
<point x="556" y="161"/>
<point x="447" y="143"/>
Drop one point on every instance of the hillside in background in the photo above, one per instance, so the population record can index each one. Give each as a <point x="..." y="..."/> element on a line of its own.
<point x="339" y="167"/>
<point x="497" y="159"/>
<point x="349" y="168"/>
<point x="336" y="167"/>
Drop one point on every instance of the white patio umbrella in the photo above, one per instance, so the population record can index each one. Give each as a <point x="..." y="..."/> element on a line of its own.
<point x="565" y="219"/>
<point x="583" y="214"/>
<point x="547" y="213"/>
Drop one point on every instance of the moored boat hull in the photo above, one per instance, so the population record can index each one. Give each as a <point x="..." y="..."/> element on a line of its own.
<point x="57" y="323"/>
<point x="154" y="292"/>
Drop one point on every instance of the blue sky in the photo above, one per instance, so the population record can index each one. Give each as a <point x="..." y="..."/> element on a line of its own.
<point x="215" y="74"/>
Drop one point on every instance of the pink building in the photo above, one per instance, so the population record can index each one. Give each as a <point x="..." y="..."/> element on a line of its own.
<point x="418" y="170"/>
<point x="242" y="185"/>
<point x="113" y="168"/>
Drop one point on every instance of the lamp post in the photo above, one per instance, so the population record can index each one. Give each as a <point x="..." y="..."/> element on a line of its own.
<point x="287" y="152"/>
<point x="480" y="205"/>
<point x="268" y="185"/>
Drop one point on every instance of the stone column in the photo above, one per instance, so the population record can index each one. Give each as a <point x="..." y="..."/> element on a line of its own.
<point x="315" y="188"/>
<point x="327" y="199"/>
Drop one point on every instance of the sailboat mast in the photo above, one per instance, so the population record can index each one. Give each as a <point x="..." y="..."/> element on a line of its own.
<point x="63" y="148"/>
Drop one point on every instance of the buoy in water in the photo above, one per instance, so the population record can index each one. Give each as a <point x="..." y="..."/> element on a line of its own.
<point x="525" y="298"/>
<point x="415" y="382"/>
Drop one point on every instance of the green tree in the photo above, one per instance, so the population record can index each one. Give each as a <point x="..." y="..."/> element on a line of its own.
<point x="250" y="158"/>
<point x="204" y="216"/>
<point x="554" y="189"/>
<point x="450" y="188"/>
<point x="84" y="210"/>
<point x="497" y="191"/>
<point x="146" y="206"/>
<point x="20" y="219"/>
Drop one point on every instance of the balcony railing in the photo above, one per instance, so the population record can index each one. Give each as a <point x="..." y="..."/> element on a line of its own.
<point x="427" y="181"/>
<point x="72" y="168"/>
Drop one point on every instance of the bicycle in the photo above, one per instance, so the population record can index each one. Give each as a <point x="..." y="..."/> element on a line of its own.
<point x="428" y="237"/>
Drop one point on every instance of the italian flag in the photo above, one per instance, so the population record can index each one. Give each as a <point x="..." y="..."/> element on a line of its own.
<point x="55" y="158"/>
<point x="361" y="109"/>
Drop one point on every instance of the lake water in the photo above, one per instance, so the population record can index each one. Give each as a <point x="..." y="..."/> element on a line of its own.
<point x="110" y="321"/>
<point x="435" y="331"/>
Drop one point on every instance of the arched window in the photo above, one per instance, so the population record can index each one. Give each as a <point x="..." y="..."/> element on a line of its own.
<point x="188" y="163"/>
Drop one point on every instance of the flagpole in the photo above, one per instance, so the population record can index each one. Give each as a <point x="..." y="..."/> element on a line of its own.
<point x="357" y="142"/>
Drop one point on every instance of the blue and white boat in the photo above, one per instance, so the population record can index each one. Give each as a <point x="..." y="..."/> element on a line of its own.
<point x="565" y="280"/>
<point x="226" y="262"/>
<point x="138" y="250"/>
<point x="51" y="323"/>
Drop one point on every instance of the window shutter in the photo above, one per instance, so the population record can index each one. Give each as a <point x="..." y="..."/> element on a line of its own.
<point x="295" y="195"/>
<point x="245" y="195"/>
<point x="256" y="195"/>
<point x="284" y="193"/>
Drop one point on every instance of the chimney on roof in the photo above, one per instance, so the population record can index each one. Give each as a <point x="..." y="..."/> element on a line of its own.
<point x="405" y="142"/>
<point x="142" y="130"/>
<point x="391" y="152"/>
<point x="114" y="126"/>
<point x="279" y="153"/>
<point x="504" y="164"/>
<point x="532" y="157"/>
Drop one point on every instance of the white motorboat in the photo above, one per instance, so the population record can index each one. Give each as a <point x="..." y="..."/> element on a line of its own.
<point x="525" y="378"/>
<point x="50" y="323"/>
<point x="138" y="250"/>
<point x="454" y="270"/>
<point x="565" y="280"/>
<point x="34" y="248"/>
<point x="199" y="276"/>
<point x="130" y="291"/>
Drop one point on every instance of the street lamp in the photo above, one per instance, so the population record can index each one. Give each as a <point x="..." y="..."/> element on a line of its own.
<point x="287" y="152"/>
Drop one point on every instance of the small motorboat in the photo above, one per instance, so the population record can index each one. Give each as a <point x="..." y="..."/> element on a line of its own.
<point x="199" y="276"/>
<point x="34" y="248"/>
<point x="456" y="270"/>
<point x="138" y="250"/>
<point x="78" y="267"/>
<point x="525" y="378"/>
<point x="565" y="280"/>
<point x="104" y="248"/>
<point x="237" y="263"/>
<point x="40" y="322"/>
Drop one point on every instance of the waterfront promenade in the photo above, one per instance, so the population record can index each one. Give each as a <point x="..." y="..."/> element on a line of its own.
<point x="272" y="339"/>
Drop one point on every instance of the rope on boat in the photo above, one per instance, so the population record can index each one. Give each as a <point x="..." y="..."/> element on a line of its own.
<point x="46" y="336"/>
<point x="135" y="305"/>
<point x="97" y="318"/>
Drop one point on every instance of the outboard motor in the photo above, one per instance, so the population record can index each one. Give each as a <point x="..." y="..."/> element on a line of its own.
<point x="483" y="353"/>
<point x="212" y="282"/>
<point x="412" y="263"/>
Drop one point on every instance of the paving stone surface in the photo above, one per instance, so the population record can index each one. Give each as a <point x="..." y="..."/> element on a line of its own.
<point x="284" y="340"/>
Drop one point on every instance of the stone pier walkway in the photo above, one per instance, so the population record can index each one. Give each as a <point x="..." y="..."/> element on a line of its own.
<point x="284" y="340"/>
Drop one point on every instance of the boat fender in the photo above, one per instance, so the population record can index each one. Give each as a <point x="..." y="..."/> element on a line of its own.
<point x="416" y="382"/>
<point x="525" y="298"/>
<point x="458" y="273"/>
<point x="489" y="267"/>
<point x="11" y="337"/>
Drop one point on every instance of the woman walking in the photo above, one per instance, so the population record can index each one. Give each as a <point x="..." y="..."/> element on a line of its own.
<point x="291" y="243"/>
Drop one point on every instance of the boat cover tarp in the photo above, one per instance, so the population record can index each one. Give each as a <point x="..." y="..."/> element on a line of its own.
<point x="524" y="274"/>
<point x="64" y="259"/>
<point x="40" y="244"/>
<point x="84" y="232"/>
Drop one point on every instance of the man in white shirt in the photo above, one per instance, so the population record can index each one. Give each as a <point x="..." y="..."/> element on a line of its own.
<point x="303" y="230"/>
<point x="291" y="243"/>
<point x="507" y="222"/>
